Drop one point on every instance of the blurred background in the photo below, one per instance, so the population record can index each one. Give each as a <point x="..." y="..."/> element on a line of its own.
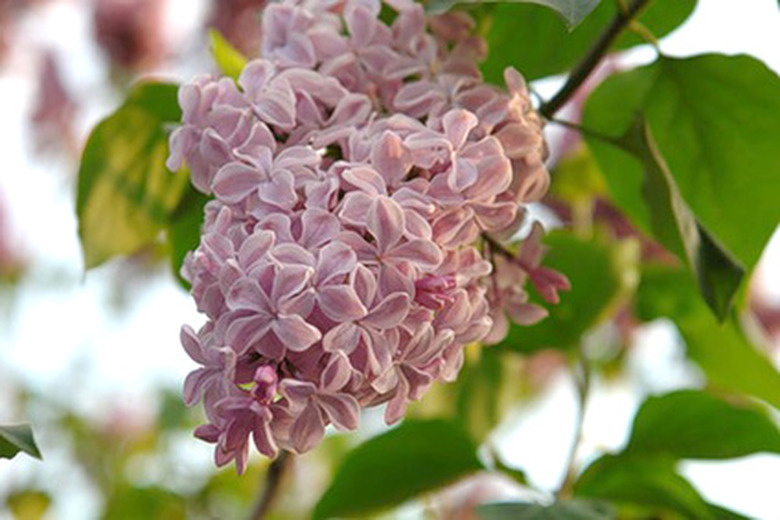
<point x="93" y="360"/>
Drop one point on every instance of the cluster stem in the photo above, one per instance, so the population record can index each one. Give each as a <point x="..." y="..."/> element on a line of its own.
<point x="271" y="484"/>
<point x="589" y="62"/>
<point x="582" y="379"/>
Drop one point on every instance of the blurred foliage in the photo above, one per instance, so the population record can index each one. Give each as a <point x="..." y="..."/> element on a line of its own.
<point x="722" y="350"/>
<point x="28" y="504"/>
<point x="648" y="481"/>
<point x="564" y="510"/>
<point x="690" y="424"/>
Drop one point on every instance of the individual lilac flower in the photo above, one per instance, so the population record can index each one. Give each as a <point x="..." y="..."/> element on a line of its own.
<point x="311" y="405"/>
<point x="358" y="337"/>
<point x="507" y="297"/>
<point x="366" y="185"/>
<point x="546" y="281"/>
<point x="385" y="222"/>
<point x="212" y="381"/>
<point x="506" y="292"/>
<point x="256" y="312"/>
<point x="242" y="415"/>
<point x="414" y="368"/>
<point x="284" y="36"/>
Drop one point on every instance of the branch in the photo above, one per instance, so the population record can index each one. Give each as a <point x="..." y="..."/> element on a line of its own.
<point x="582" y="378"/>
<point x="273" y="478"/>
<point x="496" y="246"/>
<point x="588" y="132"/>
<point x="592" y="58"/>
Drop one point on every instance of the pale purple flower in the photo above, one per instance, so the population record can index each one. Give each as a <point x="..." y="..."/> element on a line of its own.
<point x="414" y="367"/>
<point x="312" y="406"/>
<point x="354" y="168"/>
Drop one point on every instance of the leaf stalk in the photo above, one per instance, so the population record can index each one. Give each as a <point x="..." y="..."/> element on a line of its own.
<point x="594" y="56"/>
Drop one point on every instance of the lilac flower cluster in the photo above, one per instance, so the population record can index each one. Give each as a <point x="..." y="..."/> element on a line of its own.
<point x="353" y="168"/>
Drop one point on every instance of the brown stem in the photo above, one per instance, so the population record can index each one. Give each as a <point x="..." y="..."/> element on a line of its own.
<point x="273" y="478"/>
<point x="496" y="246"/>
<point x="592" y="58"/>
<point x="582" y="378"/>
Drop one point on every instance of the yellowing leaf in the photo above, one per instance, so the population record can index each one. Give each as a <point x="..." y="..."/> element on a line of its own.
<point x="125" y="193"/>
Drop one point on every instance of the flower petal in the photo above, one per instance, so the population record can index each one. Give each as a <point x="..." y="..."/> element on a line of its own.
<point x="385" y="221"/>
<point x="295" y="333"/>
<point x="254" y="248"/>
<point x="424" y="253"/>
<point x="236" y="181"/>
<point x="307" y="429"/>
<point x="391" y="158"/>
<point x="341" y="303"/>
<point x="247" y="294"/>
<point x="390" y="312"/>
<point x="342" y="338"/>
<point x="343" y="410"/>
<point x="318" y="227"/>
<point x="457" y="125"/>
<point x="192" y="344"/>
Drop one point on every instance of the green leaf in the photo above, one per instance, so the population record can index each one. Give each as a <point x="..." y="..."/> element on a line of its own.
<point x="125" y="193"/>
<point x="229" y="60"/>
<point x="518" y="475"/>
<point x="677" y="228"/>
<point x="646" y="481"/>
<point x="566" y="510"/>
<point x="572" y="12"/>
<point x="691" y="424"/>
<point x="721" y="513"/>
<point x="715" y="119"/>
<point x="534" y="41"/>
<point x="16" y="438"/>
<point x="595" y="274"/>
<point x="722" y="350"/>
<point x="416" y="457"/>
<point x="184" y="229"/>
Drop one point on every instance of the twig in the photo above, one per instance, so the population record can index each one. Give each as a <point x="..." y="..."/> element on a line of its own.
<point x="496" y="246"/>
<point x="592" y="58"/>
<point x="273" y="478"/>
<point x="588" y="132"/>
<point x="582" y="378"/>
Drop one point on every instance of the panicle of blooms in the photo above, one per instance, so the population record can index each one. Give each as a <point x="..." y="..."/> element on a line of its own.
<point x="353" y="169"/>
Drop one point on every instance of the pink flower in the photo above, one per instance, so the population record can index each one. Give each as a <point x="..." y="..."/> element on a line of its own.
<point x="354" y="168"/>
<point x="414" y="368"/>
<point x="312" y="405"/>
<point x="257" y="312"/>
